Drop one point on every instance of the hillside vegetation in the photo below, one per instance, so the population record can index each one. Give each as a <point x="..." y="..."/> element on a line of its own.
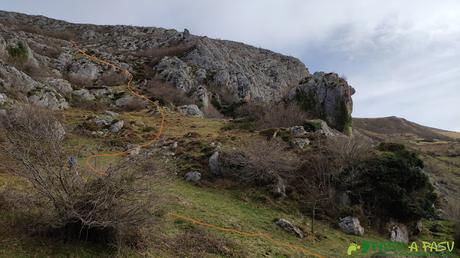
<point x="257" y="157"/>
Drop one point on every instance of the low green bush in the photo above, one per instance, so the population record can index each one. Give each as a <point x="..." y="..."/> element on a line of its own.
<point x="18" y="52"/>
<point x="391" y="184"/>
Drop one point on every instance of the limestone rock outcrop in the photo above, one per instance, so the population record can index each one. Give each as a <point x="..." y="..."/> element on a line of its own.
<point x="351" y="225"/>
<point x="208" y="70"/>
<point x="328" y="96"/>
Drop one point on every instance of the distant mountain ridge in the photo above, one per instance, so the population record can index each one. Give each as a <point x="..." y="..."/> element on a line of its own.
<point x="396" y="126"/>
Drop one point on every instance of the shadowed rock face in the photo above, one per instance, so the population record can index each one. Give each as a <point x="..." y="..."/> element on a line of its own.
<point x="329" y="97"/>
<point x="200" y="66"/>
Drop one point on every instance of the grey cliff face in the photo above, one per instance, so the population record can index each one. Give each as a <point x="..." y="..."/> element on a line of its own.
<point x="203" y="68"/>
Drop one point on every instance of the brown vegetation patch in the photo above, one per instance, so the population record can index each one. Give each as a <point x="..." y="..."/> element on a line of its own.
<point x="167" y="93"/>
<point x="199" y="243"/>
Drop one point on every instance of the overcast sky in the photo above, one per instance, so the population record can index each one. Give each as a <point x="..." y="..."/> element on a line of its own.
<point x="402" y="57"/>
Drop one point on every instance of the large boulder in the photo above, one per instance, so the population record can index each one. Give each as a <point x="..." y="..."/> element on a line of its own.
<point x="190" y="110"/>
<point x="46" y="97"/>
<point x="11" y="79"/>
<point x="278" y="188"/>
<point x="351" y="225"/>
<point x="193" y="176"/>
<point x="289" y="227"/>
<point x="103" y="120"/>
<point x="60" y="85"/>
<point x="83" y="72"/>
<point x="117" y="126"/>
<point x="318" y="126"/>
<point x="214" y="165"/>
<point x="328" y="96"/>
<point x="398" y="232"/>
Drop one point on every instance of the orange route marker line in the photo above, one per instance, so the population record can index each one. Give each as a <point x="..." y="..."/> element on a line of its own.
<point x="154" y="139"/>
<point x="248" y="234"/>
<point x="132" y="91"/>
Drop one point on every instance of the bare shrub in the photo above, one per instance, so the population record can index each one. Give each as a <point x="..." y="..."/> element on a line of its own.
<point x="111" y="208"/>
<point x="134" y="104"/>
<point x="166" y="93"/>
<point x="223" y="97"/>
<point x="112" y="78"/>
<point x="314" y="184"/>
<point x="79" y="82"/>
<point x="272" y="115"/>
<point x="251" y="111"/>
<point x="211" y="112"/>
<point x="349" y="150"/>
<point x="258" y="162"/>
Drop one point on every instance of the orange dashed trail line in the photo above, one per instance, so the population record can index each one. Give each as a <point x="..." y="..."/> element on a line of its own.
<point x="133" y="92"/>
<point x="153" y="140"/>
<point x="265" y="236"/>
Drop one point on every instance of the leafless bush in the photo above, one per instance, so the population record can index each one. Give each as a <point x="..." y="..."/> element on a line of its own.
<point x="112" y="78"/>
<point x="314" y="178"/>
<point x="314" y="183"/>
<point x="252" y="111"/>
<point x="110" y="208"/>
<point x="320" y="167"/>
<point x="258" y="162"/>
<point x="349" y="150"/>
<point x="134" y="104"/>
<point x="79" y="82"/>
<point x="273" y="115"/>
<point x="167" y="94"/>
<point x="223" y="96"/>
<point x="212" y="112"/>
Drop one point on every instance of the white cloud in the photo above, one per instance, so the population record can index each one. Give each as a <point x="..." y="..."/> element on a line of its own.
<point x="401" y="56"/>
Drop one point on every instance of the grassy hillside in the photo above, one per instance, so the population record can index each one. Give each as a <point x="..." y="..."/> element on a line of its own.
<point x="218" y="205"/>
<point x="221" y="206"/>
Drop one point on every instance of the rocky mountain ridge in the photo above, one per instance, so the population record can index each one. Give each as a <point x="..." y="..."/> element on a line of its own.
<point x="211" y="71"/>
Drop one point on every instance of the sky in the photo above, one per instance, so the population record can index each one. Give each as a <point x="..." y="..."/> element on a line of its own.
<point x="402" y="57"/>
